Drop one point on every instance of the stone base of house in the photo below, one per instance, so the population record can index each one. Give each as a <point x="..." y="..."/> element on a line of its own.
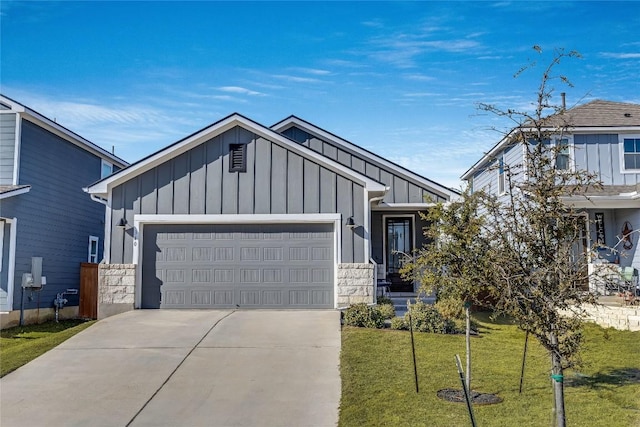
<point x="116" y="289"/>
<point x="355" y="284"/>
<point x="34" y="315"/>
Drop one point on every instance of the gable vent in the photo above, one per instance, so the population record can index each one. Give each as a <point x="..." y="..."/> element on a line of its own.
<point x="237" y="158"/>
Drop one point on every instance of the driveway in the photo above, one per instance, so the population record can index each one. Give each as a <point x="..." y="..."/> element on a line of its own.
<point x="184" y="368"/>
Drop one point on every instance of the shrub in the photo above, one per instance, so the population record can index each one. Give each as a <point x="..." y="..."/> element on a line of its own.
<point x="364" y="316"/>
<point x="426" y="318"/>
<point x="399" y="323"/>
<point x="388" y="311"/>
<point x="382" y="300"/>
<point x="453" y="309"/>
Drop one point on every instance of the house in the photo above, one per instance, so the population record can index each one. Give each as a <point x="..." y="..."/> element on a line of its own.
<point x="243" y="215"/>
<point x="602" y="138"/>
<point x="43" y="211"/>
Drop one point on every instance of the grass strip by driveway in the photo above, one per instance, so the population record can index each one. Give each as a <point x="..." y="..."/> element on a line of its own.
<point x="378" y="384"/>
<point x="22" y="344"/>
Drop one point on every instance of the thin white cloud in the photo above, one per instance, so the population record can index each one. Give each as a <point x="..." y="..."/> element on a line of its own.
<point x="240" y="90"/>
<point x="296" y="79"/>
<point x="616" y="55"/>
<point x="313" y="71"/>
<point x="419" y="77"/>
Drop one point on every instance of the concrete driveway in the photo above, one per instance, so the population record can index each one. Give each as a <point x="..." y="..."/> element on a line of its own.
<point x="184" y="368"/>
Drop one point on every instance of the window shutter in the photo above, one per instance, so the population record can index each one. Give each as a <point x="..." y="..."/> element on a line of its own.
<point x="237" y="158"/>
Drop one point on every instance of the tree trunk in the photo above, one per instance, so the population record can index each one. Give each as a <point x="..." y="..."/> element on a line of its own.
<point x="557" y="380"/>
<point x="468" y="342"/>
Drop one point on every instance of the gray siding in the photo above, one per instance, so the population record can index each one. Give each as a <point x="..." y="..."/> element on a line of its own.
<point x="55" y="218"/>
<point x="277" y="181"/>
<point x="601" y="154"/>
<point x="402" y="190"/>
<point x="7" y="147"/>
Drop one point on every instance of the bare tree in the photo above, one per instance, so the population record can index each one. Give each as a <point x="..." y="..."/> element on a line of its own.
<point x="521" y="243"/>
<point x="537" y="259"/>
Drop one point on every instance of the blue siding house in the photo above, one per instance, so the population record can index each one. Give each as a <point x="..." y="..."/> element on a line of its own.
<point x="43" y="210"/>
<point x="243" y="215"/>
<point x="603" y="138"/>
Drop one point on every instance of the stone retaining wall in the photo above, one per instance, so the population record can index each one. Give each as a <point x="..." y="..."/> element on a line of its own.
<point x="116" y="289"/>
<point x="625" y="318"/>
<point x="355" y="284"/>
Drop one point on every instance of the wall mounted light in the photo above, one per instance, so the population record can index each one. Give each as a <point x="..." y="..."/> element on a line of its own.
<point x="350" y="223"/>
<point x="122" y="223"/>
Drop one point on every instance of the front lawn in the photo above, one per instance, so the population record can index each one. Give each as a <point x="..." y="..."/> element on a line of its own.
<point x="22" y="344"/>
<point x="378" y="386"/>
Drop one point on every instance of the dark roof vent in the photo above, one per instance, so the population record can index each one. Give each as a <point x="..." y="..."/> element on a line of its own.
<point x="627" y="114"/>
<point x="237" y="158"/>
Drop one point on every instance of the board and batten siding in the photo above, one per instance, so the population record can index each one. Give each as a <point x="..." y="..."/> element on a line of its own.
<point x="7" y="147"/>
<point x="277" y="181"/>
<point x="56" y="217"/>
<point x="402" y="190"/>
<point x="601" y="154"/>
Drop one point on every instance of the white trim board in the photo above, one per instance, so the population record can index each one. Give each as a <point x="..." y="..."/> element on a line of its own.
<point x="139" y="221"/>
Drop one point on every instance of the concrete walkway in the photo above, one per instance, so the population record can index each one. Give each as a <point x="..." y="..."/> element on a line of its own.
<point x="184" y="368"/>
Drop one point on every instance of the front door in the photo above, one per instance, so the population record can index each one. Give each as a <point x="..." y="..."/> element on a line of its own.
<point x="398" y="248"/>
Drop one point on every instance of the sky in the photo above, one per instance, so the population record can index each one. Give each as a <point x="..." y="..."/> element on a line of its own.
<point x="401" y="79"/>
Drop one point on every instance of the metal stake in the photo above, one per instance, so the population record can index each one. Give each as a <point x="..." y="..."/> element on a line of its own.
<point x="413" y="348"/>
<point x="466" y="393"/>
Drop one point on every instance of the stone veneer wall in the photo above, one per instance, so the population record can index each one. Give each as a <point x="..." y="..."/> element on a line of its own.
<point x="116" y="289"/>
<point x="625" y="318"/>
<point x="355" y="284"/>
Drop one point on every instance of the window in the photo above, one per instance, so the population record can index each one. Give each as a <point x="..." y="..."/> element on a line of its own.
<point x="631" y="148"/>
<point x="237" y="158"/>
<point x="106" y="169"/>
<point x="562" y="155"/>
<point x="501" y="177"/>
<point x="93" y="249"/>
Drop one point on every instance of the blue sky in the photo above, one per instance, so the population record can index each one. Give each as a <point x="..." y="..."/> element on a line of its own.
<point x="400" y="79"/>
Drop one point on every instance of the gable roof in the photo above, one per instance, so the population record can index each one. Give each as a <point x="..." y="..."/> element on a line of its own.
<point x="101" y="188"/>
<point x="598" y="115"/>
<point x="365" y="154"/>
<point x="53" y="127"/>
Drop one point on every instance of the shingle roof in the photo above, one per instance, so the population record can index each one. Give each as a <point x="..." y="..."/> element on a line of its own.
<point x="599" y="113"/>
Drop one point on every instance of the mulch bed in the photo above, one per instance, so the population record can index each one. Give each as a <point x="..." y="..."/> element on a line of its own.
<point x="477" y="398"/>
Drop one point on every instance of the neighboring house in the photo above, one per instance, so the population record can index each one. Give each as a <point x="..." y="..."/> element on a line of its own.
<point x="602" y="138"/>
<point x="243" y="215"/>
<point x="43" y="210"/>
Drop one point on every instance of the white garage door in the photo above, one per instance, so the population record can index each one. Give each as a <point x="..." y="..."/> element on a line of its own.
<point x="238" y="265"/>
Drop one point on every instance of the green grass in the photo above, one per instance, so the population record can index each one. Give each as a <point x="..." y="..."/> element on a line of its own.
<point x="378" y="386"/>
<point x="22" y="344"/>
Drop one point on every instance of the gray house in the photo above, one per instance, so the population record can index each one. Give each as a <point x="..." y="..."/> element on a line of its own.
<point x="242" y="215"/>
<point x="603" y="137"/>
<point x="43" y="211"/>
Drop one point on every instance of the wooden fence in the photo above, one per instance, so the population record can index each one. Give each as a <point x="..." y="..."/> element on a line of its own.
<point x="88" y="308"/>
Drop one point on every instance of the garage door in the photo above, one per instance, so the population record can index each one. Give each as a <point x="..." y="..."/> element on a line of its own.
<point x="245" y="266"/>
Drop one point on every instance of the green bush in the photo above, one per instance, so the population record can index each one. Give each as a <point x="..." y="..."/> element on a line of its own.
<point x="382" y="300"/>
<point x="399" y="323"/>
<point x="427" y="318"/>
<point x="363" y="316"/>
<point x="388" y="311"/>
<point x="453" y="310"/>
